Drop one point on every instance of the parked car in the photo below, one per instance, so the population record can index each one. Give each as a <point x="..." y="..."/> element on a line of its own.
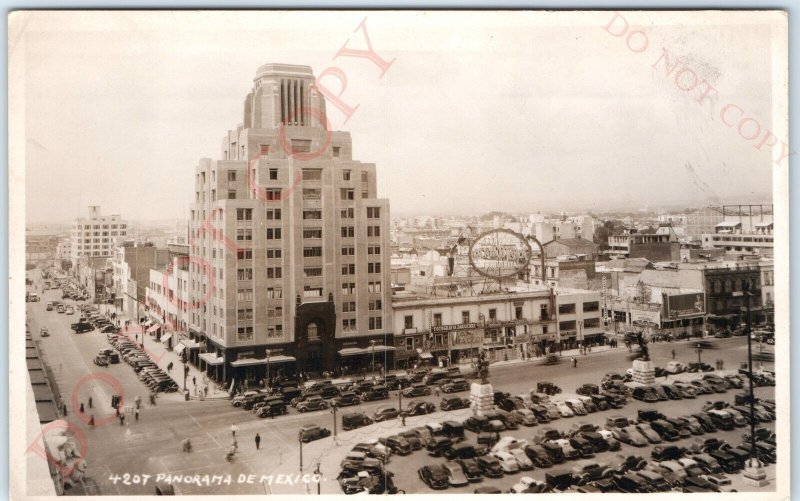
<point x="538" y="456"/>
<point x="648" y="433"/>
<point x="384" y="413"/>
<point x="667" y="452"/>
<point x="455" y="475"/>
<point x="471" y="469"/>
<point x="490" y="466"/>
<point x="397" y="444"/>
<point x="377" y="392"/>
<point x="418" y="390"/>
<point x="525" y="417"/>
<point x="453" y="403"/>
<point x="101" y="361"/>
<point x="674" y="367"/>
<point x="629" y="436"/>
<point x="564" y="410"/>
<point x="455" y="385"/>
<point x="434" y="476"/>
<point x="588" y="389"/>
<point x="309" y="433"/>
<point x="418" y="408"/>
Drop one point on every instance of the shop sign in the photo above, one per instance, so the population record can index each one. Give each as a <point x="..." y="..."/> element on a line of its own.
<point x="454" y="327"/>
<point x="500" y="254"/>
<point x="466" y="339"/>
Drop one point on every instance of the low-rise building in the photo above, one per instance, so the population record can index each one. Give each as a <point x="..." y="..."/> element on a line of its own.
<point x="579" y="318"/>
<point x="663" y="245"/>
<point x="730" y="236"/>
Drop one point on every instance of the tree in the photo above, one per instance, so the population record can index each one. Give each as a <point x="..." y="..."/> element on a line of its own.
<point x="607" y="229"/>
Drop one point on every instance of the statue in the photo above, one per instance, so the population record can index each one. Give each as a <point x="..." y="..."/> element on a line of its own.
<point x="483" y="367"/>
<point x="643" y="346"/>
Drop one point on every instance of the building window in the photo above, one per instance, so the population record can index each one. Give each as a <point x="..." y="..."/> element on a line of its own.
<point x="349" y="325"/>
<point x="566" y="309"/>
<point x="244" y="254"/>
<point x="276" y="312"/>
<point x="348" y="251"/>
<point x="312" y="174"/>
<point x="312" y="332"/>
<point x="375" y="305"/>
<point x="275" y="332"/>
<point x="272" y="194"/>
<point x="244" y="214"/>
<point x="374" y="287"/>
<point x="373" y="267"/>
<point x="373" y="212"/>
<point x="348" y="213"/>
<point x="347" y="194"/>
<point x="312" y="291"/>
<point x="274" y="253"/>
<point x="408" y="322"/>
<point x="348" y="288"/>
<point x="349" y="307"/>
<point x="312" y="194"/>
<point x="274" y="293"/>
<point x="312" y="214"/>
<point x="568" y="325"/>
<point x="244" y="333"/>
<point x="410" y="343"/>
<point x="244" y="234"/>
<point x="493" y="314"/>
<point x="312" y="232"/>
<point x="437" y="319"/>
<point x="312" y="272"/>
<point x="373" y="231"/>
<point x="518" y="312"/>
<point x="245" y="314"/>
<point x="465" y="317"/>
<point x="273" y="214"/>
<point x="348" y="269"/>
<point x="312" y="251"/>
<point x="591" y="323"/>
<point x="231" y="194"/>
<point x="301" y="146"/>
<point x="364" y="176"/>
<point x="273" y="233"/>
<point x="375" y="323"/>
<point x="373" y="249"/>
<point x="274" y="272"/>
<point x="591" y="306"/>
<point x="244" y="274"/>
<point x="336" y="150"/>
<point x="348" y="232"/>
<point x="345" y="173"/>
<point x="244" y="294"/>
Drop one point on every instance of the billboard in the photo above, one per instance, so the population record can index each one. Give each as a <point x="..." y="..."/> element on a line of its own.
<point x="500" y="254"/>
<point x="684" y="305"/>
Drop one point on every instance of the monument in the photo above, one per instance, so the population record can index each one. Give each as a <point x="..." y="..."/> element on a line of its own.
<point x="643" y="372"/>
<point x="482" y="394"/>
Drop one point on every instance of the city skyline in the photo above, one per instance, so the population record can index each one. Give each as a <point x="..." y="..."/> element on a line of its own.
<point x="468" y="147"/>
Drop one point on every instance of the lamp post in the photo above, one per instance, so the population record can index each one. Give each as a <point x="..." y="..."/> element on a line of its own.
<point x="699" y="350"/>
<point x="300" y="440"/>
<point x="269" y="386"/>
<point x="372" y="347"/>
<point x="319" y="479"/>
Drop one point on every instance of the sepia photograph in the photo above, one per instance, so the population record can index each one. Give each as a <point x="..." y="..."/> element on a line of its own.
<point x="350" y="252"/>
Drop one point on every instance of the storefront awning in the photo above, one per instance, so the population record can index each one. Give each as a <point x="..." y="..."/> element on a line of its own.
<point x="179" y="348"/>
<point x="350" y="352"/>
<point x="166" y="337"/>
<point x="380" y="349"/>
<point x="276" y="359"/>
<point x="425" y="354"/>
<point x="212" y="359"/>
<point x="190" y="343"/>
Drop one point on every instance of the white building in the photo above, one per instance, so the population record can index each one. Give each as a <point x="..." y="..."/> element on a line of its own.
<point x="736" y="239"/>
<point x="96" y="236"/>
<point x="579" y="317"/>
<point x="168" y="294"/>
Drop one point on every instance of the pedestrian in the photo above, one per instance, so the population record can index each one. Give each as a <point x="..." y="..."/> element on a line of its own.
<point x="194" y="380"/>
<point x="65" y="409"/>
<point x="673" y="354"/>
<point x="91" y="420"/>
<point x="81" y="407"/>
<point x="233" y="431"/>
<point x="258" y="441"/>
<point x="121" y="418"/>
<point x="136" y="413"/>
<point x="574" y="362"/>
<point x="152" y="399"/>
<point x="117" y="410"/>
<point x="403" y="419"/>
<point x="169" y="367"/>
<point x="90" y="402"/>
<point x="436" y="391"/>
<point x="138" y="401"/>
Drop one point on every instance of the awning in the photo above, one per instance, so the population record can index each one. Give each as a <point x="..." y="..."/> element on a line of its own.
<point x="349" y="352"/>
<point x="179" y="348"/>
<point x="379" y="349"/>
<point x="190" y="343"/>
<point x="166" y="337"/>
<point x="212" y="359"/>
<point x="425" y="354"/>
<point x="245" y="362"/>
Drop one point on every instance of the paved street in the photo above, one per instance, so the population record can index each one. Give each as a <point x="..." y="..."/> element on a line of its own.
<point x="153" y="444"/>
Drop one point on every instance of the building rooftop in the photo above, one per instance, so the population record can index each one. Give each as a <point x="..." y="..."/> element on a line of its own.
<point x="572" y="242"/>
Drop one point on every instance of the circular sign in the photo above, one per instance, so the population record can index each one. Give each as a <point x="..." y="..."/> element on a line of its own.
<point x="500" y="253"/>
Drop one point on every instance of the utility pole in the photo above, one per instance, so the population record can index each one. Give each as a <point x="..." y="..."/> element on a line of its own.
<point x="300" y="439"/>
<point x="319" y="480"/>
<point x="699" y="351"/>
<point x="750" y="373"/>
<point x="333" y="410"/>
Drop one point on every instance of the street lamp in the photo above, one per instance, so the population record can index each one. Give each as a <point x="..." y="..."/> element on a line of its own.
<point x="300" y="439"/>
<point x="269" y="386"/>
<point x="699" y="350"/>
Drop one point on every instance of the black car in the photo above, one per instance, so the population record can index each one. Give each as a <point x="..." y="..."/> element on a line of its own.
<point x="418" y="390"/>
<point x="453" y="403"/>
<point x="397" y="444"/>
<point x="436" y="446"/>
<point x="667" y="452"/>
<point x="665" y="430"/>
<point x="471" y="469"/>
<point x="435" y="476"/>
<point x="538" y="456"/>
<point x="490" y="466"/>
<point x="455" y="385"/>
<point x="272" y="408"/>
<point x="311" y="433"/>
<point x="345" y="399"/>
<point x="555" y="452"/>
<point x="650" y="415"/>
<point x="375" y="393"/>
<point x="418" y="408"/>
<point x="631" y="483"/>
<point x="477" y="423"/>
<point x="582" y="446"/>
<point x="353" y="420"/>
<point x="412" y="438"/>
<point x="588" y="389"/>
<point x="384" y="413"/>
<point x="600" y="444"/>
<point x="645" y="394"/>
<point x="559" y="479"/>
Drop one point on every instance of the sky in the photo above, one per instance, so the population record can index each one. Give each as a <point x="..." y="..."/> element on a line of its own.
<point x="479" y="111"/>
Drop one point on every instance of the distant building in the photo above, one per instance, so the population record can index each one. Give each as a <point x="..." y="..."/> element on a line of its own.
<point x="95" y="237"/>
<point x="660" y="246"/>
<point x="131" y="265"/>
<point x="730" y="236"/>
<point x="705" y="220"/>
<point x="547" y="229"/>
<point x="578" y="247"/>
<point x="579" y="318"/>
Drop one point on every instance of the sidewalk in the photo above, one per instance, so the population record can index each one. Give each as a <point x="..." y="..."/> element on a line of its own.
<point x="159" y="353"/>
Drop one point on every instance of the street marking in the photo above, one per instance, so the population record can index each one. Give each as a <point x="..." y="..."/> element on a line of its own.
<point x="192" y="417"/>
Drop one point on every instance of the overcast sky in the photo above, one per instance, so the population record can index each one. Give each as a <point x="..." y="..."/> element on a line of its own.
<point x="478" y="112"/>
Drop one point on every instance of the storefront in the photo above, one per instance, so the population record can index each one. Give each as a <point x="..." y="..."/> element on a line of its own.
<point x="465" y="344"/>
<point x="365" y="355"/>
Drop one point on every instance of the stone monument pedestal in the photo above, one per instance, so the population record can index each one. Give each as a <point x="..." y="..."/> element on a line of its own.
<point x="643" y="372"/>
<point x="481" y="398"/>
<point x="754" y="474"/>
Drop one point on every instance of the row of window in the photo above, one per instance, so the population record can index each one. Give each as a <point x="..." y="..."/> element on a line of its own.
<point x="101" y="227"/>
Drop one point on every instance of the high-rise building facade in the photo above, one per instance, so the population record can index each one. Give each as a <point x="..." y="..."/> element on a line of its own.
<point x="289" y="257"/>
<point x="96" y="236"/>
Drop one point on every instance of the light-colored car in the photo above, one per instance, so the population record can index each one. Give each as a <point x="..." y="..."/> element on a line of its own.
<point x="631" y="436"/>
<point x="455" y="475"/>
<point x="523" y="460"/>
<point x="576" y="406"/>
<point x="507" y="443"/>
<point x="564" y="410"/>
<point x="648" y="433"/>
<point x="507" y="461"/>
<point x="44" y="332"/>
<point x="675" y="468"/>
<point x="523" y="484"/>
<point x="674" y="367"/>
<point x="569" y="451"/>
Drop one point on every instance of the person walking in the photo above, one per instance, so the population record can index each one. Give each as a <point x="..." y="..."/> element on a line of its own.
<point x="194" y="380"/>
<point x="574" y="362"/>
<point x="136" y="413"/>
<point x="90" y="402"/>
<point x="673" y="354"/>
<point x="233" y="431"/>
<point x="121" y="418"/>
<point x="81" y="407"/>
<point x="258" y="441"/>
<point x="138" y="402"/>
<point x="91" y="420"/>
<point x="169" y="367"/>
